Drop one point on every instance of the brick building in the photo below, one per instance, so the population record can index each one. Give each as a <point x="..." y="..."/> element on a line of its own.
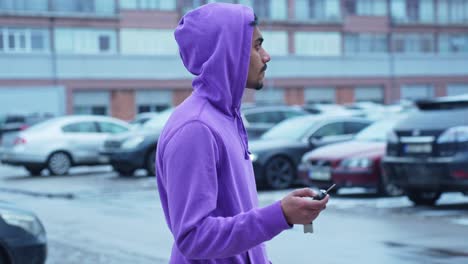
<point x="119" y="57"/>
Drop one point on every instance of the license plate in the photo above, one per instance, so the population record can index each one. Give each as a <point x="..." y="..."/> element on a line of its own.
<point x="320" y="173"/>
<point x="418" y="148"/>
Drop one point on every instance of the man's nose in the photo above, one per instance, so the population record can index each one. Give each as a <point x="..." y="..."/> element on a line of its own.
<point x="266" y="57"/>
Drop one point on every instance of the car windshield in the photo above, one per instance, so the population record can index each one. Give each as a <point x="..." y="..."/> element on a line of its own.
<point x="377" y="131"/>
<point x="159" y="120"/>
<point x="293" y="128"/>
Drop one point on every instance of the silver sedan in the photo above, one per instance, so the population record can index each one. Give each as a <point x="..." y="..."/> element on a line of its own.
<point x="60" y="143"/>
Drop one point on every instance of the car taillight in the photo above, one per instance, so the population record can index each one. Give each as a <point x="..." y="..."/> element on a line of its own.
<point x="19" y="141"/>
<point x="24" y="127"/>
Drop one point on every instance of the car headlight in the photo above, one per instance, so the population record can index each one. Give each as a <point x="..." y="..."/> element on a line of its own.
<point x="356" y="163"/>
<point x="132" y="142"/>
<point x="253" y="157"/>
<point x="454" y="135"/>
<point x="25" y="221"/>
<point x="392" y="137"/>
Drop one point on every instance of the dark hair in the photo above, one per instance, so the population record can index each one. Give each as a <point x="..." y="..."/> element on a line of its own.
<point x="255" y="22"/>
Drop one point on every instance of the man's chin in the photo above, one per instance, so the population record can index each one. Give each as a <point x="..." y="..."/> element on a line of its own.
<point x="259" y="86"/>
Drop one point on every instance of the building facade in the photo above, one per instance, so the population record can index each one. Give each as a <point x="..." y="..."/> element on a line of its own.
<point x="119" y="57"/>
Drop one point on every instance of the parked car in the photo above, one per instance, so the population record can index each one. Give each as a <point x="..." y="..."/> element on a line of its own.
<point x="277" y="153"/>
<point x="259" y="119"/>
<point x="142" y="118"/>
<point x="427" y="152"/>
<point x="136" y="149"/>
<point x="328" y="109"/>
<point x="22" y="236"/>
<point x="17" y="122"/>
<point x="354" y="163"/>
<point x="60" y="143"/>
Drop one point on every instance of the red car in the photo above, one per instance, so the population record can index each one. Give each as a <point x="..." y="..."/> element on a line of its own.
<point x="354" y="163"/>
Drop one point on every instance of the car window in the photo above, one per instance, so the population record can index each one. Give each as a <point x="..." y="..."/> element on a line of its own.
<point x="354" y="127"/>
<point x="15" y="119"/>
<point x="272" y="117"/>
<point x="108" y="127"/>
<point x="80" y="127"/>
<point x="332" y="129"/>
<point x="254" y="118"/>
<point x="293" y="128"/>
<point x="289" y="114"/>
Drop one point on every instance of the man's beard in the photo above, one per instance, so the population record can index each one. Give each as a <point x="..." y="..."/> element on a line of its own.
<point x="259" y="86"/>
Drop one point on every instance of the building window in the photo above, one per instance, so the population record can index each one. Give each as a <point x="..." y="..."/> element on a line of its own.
<point x="91" y="103"/>
<point x="149" y="4"/>
<point x="276" y="42"/>
<point x="369" y="94"/>
<point x="318" y="10"/>
<point x="24" y="5"/>
<point x="457" y="89"/>
<point x="18" y="40"/>
<point x="365" y="43"/>
<point x="453" y="43"/>
<point x="104" y="43"/>
<point x="417" y="91"/>
<point x="318" y="44"/>
<point x="269" y="96"/>
<point x="84" y="6"/>
<point x="188" y="5"/>
<point x="314" y="95"/>
<point x="153" y="101"/>
<point x="148" y="42"/>
<point x="452" y="11"/>
<point x="366" y="7"/>
<point x="412" y="11"/>
<point x="413" y="43"/>
<point x="85" y="41"/>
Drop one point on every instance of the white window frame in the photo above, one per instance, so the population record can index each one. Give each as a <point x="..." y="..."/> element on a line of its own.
<point x="17" y="33"/>
<point x="84" y="40"/>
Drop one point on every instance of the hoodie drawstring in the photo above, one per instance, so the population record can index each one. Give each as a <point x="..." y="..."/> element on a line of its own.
<point x="242" y="133"/>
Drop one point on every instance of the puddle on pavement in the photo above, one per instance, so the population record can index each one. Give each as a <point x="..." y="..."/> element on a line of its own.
<point x="430" y="252"/>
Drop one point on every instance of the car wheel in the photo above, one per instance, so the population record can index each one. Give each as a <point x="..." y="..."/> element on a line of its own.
<point x="423" y="197"/>
<point x="386" y="188"/>
<point x="279" y="173"/>
<point x="124" y="172"/>
<point x="34" y="170"/>
<point x="59" y="163"/>
<point x="150" y="163"/>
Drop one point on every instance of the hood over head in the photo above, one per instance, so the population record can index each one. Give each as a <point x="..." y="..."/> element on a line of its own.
<point x="214" y="44"/>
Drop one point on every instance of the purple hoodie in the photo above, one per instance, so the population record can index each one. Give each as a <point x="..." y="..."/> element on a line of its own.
<point x="205" y="177"/>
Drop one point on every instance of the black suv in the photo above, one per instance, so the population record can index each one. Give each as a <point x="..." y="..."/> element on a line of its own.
<point x="427" y="153"/>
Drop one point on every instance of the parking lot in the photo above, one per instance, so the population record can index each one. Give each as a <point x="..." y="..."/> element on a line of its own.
<point x="95" y="216"/>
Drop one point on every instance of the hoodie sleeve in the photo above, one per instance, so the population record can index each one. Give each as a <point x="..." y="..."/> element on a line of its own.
<point x="190" y="162"/>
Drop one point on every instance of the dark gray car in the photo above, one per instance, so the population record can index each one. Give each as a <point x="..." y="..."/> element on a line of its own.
<point x="427" y="153"/>
<point x="277" y="153"/>
<point x="259" y="119"/>
<point x="22" y="236"/>
<point x="136" y="149"/>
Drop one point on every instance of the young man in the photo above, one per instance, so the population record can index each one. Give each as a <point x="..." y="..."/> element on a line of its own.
<point x="205" y="176"/>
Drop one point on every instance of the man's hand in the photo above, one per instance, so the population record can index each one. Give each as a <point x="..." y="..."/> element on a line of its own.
<point x="299" y="208"/>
